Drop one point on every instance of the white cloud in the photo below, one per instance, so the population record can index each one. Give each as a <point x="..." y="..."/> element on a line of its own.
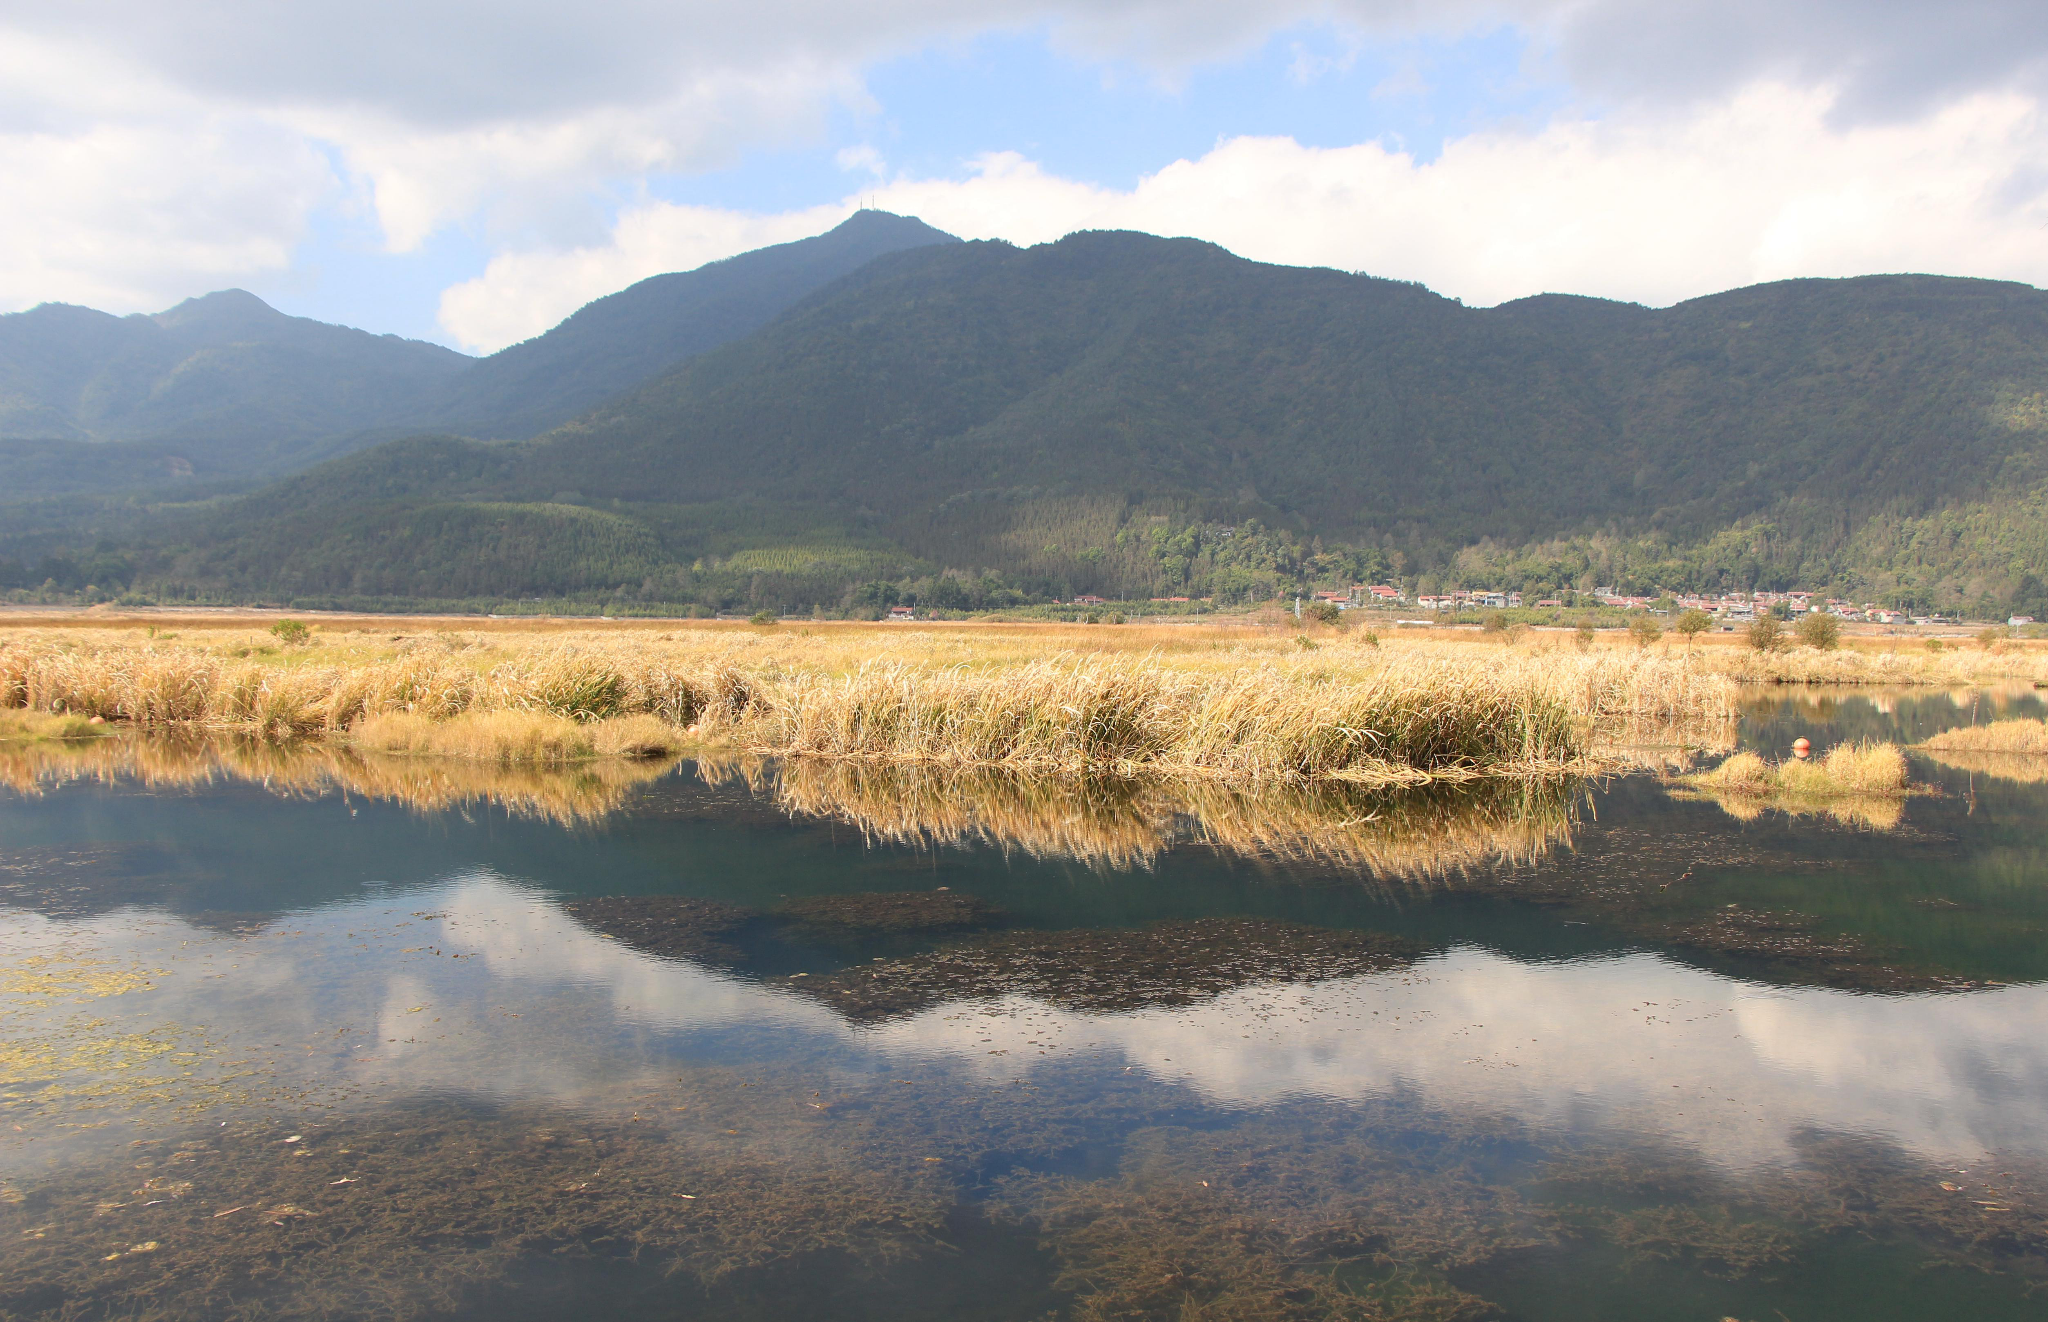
<point x="1634" y="1046"/>
<point x="174" y="147"/>
<point x="861" y="157"/>
<point x="521" y="294"/>
<point x="1762" y="186"/>
<point x="134" y="196"/>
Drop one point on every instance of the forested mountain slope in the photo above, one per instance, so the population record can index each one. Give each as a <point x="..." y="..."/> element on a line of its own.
<point x="1116" y="412"/>
<point x="1361" y="406"/>
<point x="225" y="387"/>
<point x="621" y="340"/>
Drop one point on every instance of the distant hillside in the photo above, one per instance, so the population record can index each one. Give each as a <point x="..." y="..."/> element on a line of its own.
<point x="1113" y="362"/>
<point x="224" y="382"/>
<point x="225" y="387"/>
<point x="622" y="340"/>
<point x="1121" y="413"/>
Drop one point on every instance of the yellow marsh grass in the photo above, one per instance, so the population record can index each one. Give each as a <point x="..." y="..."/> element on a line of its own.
<point x="516" y="736"/>
<point x="1856" y="783"/>
<point x="1390" y="727"/>
<point x="566" y="794"/>
<point x="1241" y="704"/>
<point x="2020" y="736"/>
<point x="2014" y="750"/>
<point x="16" y="724"/>
<point x="1850" y="768"/>
<point x="2019" y="768"/>
<point x="1121" y="823"/>
<point x="1904" y="665"/>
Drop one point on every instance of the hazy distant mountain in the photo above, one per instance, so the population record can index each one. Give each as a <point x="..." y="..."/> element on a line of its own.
<point x="225" y="386"/>
<point x="619" y="341"/>
<point x="1074" y="415"/>
<point x="225" y="373"/>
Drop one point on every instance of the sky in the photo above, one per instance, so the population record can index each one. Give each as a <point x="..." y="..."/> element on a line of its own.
<point x="472" y="171"/>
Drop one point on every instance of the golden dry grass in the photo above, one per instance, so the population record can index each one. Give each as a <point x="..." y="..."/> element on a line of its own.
<point x="516" y="736"/>
<point x="2019" y="768"/>
<point x="1902" y="663"/>
<point x="2018" y="736"/>
<point x="1848" y="769"/>
<point x="1239" y="703"/>
<point x="1860" y="783"/>
<point x="18" y="724"/>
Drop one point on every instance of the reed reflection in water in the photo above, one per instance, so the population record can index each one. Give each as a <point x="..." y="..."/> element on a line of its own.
<point x="1106" y="822"/>
<point x="1123" y="823"/>
<point x="566" y="795"/>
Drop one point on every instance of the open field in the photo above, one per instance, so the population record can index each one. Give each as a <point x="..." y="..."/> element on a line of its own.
<point x="1247" y="702"/>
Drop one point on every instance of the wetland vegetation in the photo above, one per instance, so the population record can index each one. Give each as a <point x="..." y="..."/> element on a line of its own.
<point x="1239" y="705"/>
<point x="407" y="1026"/>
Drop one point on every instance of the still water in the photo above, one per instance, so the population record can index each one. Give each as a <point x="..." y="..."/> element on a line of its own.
<point x="287" y="1035"/>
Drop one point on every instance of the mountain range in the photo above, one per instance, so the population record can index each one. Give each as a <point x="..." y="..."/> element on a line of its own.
<point x="226" y="387"/>
<point x="884" y="411"/>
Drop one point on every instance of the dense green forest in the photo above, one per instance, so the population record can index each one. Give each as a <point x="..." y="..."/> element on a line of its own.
<point x="973" y="425"/>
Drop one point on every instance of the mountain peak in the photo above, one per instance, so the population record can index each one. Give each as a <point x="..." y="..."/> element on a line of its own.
<point x="224" y="310"/>
<point x="867" y="223"/>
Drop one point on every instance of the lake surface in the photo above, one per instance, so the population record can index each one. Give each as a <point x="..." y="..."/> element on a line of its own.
<point x="286" y="1035"/>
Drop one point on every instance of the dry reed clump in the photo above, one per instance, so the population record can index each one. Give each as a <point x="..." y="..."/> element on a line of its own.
<point x="485" y="736"/>
<point x="1849" y="769"/>
<point x="516" y="736"/>
<point x="1390" y="725"/>
<point x="2020" y="736"/>
<point x="1856" y="783"/>
<point x="19" y="725"/>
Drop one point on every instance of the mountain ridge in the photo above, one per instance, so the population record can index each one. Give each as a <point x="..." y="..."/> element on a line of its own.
<point x="1116" y="412"/>
<point x="238" y="390"/>
<point x="1099" y="413"/>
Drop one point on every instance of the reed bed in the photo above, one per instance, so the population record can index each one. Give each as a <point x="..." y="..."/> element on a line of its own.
<point x="2018" y="736"/>
<point x="2017" y="768"/>
<point x="1392" y="727"/>
<point x="2014" y="750"/>
<point x="1242" y="705"/>
<point x="1958" y="666"/>
<point x="517" y="736"/>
